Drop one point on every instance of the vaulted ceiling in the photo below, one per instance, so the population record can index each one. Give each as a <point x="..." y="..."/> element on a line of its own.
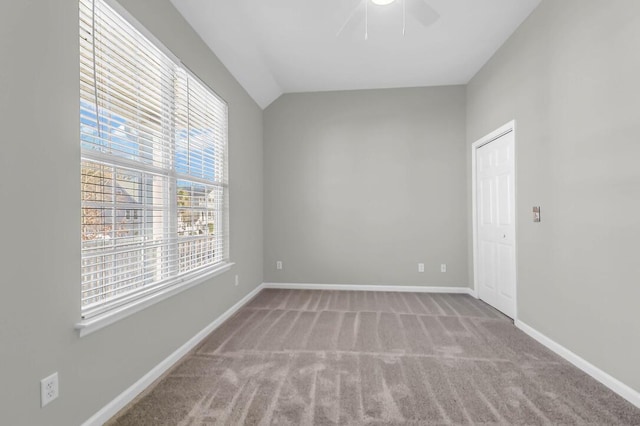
<point x="282" y="46"/>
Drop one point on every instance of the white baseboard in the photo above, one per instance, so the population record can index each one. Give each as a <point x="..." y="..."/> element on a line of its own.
<point x="134" y="390"/>
<point x="357" y="287"/>
<point x="609" y="381"/>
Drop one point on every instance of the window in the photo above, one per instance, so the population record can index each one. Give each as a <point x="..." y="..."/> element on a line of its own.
<point x="154" y="167"/>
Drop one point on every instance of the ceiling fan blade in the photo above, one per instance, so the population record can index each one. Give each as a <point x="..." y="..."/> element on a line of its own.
<point x="354" y="20"/>
<point x="422" y="12"/>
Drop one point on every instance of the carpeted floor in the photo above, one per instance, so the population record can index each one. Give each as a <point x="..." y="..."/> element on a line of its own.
<point x="301" y="357"/>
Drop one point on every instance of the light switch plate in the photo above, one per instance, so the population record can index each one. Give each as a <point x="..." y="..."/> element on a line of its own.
<point x="536" y="213"/>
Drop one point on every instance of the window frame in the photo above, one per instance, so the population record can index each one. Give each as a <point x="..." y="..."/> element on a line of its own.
<point x="130" y="303"/>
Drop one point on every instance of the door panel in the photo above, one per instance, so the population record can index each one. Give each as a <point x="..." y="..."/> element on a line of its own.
<point x="503" y="192"/>
<point x="488" y="270"/>
<point x="486" y="209"/>
<point x="506" y="262"/>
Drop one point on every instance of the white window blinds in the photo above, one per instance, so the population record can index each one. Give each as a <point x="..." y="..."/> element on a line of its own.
<point x="154" y="184"/>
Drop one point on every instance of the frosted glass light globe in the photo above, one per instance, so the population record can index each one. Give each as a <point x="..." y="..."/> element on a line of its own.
<point x="382" y="2"/>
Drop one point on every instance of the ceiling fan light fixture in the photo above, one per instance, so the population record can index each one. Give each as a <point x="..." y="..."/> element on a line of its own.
<point x="382" y="2"/>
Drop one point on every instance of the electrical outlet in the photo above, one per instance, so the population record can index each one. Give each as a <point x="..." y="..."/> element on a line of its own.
<point x="443" y="267"/>
<point x="279" y="265"/>
<point x="420" y="267"/>
<point x="237" y="281"/>
<point x="48" y="389"/>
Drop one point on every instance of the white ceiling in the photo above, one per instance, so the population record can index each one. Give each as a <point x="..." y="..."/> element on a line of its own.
<point x="282" y="46"/>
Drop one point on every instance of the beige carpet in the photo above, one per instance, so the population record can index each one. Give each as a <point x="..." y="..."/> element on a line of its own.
<point x="294" y="357"/>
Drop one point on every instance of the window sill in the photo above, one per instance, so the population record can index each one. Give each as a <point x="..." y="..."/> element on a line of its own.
<point x="88" y="326"/>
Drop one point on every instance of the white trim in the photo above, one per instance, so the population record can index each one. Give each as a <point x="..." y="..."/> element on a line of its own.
<point x="501" y="131"/>
<point x="606" y="379"/>
<point x="128" y="395"/>
<point x="88" y="326"/>
<point x="358" y="287"/>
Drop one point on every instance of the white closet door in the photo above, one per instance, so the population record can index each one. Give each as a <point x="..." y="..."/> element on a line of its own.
<point x="495" y="203"/>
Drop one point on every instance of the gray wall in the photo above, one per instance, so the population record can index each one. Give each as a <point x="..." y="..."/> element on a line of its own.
<point x="40" y="216"/>
<point x="360" y="186"/>
<point x="570" y="76"/>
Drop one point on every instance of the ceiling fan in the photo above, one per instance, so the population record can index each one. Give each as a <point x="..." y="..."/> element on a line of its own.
<point x="418" y="9"/>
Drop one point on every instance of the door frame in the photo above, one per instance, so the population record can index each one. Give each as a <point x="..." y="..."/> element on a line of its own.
<point x="510" y="127"/>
